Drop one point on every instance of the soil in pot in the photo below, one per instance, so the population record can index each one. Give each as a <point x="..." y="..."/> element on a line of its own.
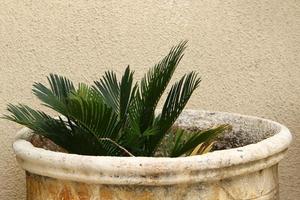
<point x="231" y="139"/>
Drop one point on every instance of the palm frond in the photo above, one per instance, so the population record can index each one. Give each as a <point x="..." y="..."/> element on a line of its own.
<point x="184" y="146"/>
<point x="54" y="97"/>
<point x="86" y="92"/>
<point x="94" y="115"/>
<point x="60" y="85"/>
<point x="127" y="93"/>
<point x="154" y="83"/>
<point x="41" y="123"/>
<point x="176" y="100"/>
<point x="109" y="87"/>
<point x="118" y="95"/>
<point x="98" y="119"/>
<point x="25" y="115"/>
<point x="203" y="148"/>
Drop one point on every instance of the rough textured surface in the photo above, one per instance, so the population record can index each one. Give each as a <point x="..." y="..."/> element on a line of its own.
<point x="261" y="185"/>
<point x="246" y="50"/>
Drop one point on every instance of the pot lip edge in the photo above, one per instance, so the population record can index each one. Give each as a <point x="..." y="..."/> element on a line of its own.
<point x="214" y="160"/>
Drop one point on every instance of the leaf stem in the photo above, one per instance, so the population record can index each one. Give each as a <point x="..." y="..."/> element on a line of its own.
<point x="115" y="143"/>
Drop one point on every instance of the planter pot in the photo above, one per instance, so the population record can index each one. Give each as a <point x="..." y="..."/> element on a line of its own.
<point x="248" y="172"/>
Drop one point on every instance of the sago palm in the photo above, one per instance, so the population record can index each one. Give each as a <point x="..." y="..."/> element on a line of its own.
<point x="116" y="118"/>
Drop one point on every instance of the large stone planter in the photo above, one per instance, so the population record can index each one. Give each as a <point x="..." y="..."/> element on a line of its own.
<point x="244" y="173"/>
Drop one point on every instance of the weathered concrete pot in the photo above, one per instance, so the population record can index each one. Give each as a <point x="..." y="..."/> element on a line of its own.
<point x="248" y="172"/>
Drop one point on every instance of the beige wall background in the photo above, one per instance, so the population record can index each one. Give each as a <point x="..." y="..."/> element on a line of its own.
<point x="247" y="52"/>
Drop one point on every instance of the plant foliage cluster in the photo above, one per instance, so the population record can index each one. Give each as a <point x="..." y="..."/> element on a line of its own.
<point x="116" y="117"/>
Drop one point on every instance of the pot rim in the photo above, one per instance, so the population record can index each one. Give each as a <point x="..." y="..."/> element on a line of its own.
<point x="212" y="166"/>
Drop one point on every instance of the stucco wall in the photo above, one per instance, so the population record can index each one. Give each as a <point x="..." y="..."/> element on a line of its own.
<point x="246" y="51"/>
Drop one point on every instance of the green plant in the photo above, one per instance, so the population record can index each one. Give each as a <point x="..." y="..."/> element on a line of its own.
<point x="116" y="118"/>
